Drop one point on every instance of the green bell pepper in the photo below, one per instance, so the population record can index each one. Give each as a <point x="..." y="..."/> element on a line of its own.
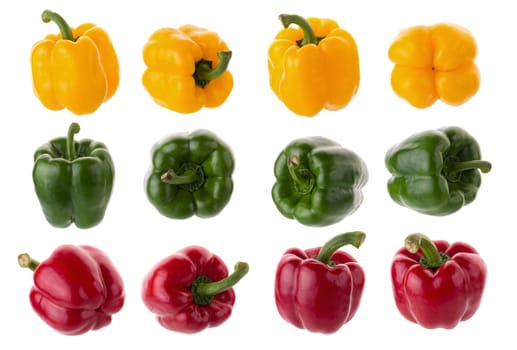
<point x="190" y="174"/>
<point x="73" y="180"/>
<point x="318" y="182"/>
<point x="436" y="172"/>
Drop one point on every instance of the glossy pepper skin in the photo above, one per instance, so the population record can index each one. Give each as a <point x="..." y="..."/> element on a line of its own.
<point x="190" y="290"/>
<point x="190" y="174"/>
<point x="320" y="289"/>
<point x="77" y="69"/>
<point x="187" y="68"/>
<point x="436" y="172"/>
<point x="437" y="284"/>
<point x="76" y="290"/>
<point x="73" y="180"/>
<point x="434" y="63"/>
<point x="318" y="182"/>
<point x="313" y="67"/>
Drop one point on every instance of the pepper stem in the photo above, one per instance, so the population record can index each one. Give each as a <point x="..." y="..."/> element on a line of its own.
<point x="482" y="165"/>
<point x="204" y="290"/>
<point x="431" y="258"/>
<point x="64" y="28"/>
<point x="355" y="238"/>
<point x="170" y="177"/>
<point x="25" y="261"/>
<point x="204" y="72"/>
<point x="303" y="178"/>
<point x="70" y="144"/>
<point x="308" y="33"/>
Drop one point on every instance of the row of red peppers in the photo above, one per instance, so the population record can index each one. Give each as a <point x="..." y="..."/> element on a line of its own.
<point x="435" y="284"/>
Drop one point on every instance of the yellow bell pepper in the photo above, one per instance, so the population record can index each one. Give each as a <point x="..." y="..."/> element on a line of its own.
<point x="76" y="69"/>
<point x="314" y="66"/>
<point x="187" y="68"/>
<point x="434" y="62"/>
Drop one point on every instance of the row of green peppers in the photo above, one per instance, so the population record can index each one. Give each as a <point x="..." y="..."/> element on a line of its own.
<point x="318" y="182"/>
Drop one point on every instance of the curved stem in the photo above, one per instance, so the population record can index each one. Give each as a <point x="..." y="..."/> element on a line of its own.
<point x="70" y="143"/>
<point x="204" y="290"/>
<point x="482" y="165"/>
<point x="308" y="33"/>
<point x="302" y="177"/>
<point x="64" y="28"/>
<point x="204" y="72"/>
<point x="25" y="261"/>
<point x="431" y="258"/>
<point x="355" y="238"/>
<point x="170" y="177"/>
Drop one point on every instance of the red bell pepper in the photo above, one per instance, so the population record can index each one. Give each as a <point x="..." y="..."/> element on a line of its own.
<point x="77" y="289"/>
<point x="191" y="290"/>
<point x="437" y="284"/>
<point x="320" y="289"/>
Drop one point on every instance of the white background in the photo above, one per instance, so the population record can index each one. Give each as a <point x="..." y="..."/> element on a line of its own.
<point x="258" y="126"/>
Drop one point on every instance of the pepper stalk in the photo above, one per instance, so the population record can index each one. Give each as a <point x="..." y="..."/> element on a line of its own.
<point x="355" y="238"/>
<point x="302" y="177"/>
<point x="204" y="290"/>
<point x="204" y="72"/>
<point x="66" y="32"/>
<point x="25" y="261"/>
<point x="309" y="37"/>
<point x="71" y="153"/>
<point x="431" y="258"/>
<point x="454" y="168"/>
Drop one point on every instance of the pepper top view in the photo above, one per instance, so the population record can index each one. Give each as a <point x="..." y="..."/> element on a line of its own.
<point x="318" y="182"/>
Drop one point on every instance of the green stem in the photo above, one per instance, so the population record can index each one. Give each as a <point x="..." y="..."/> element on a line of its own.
<point x="303" y="178"/>
<point x="204" y="290"/>
<point x="457" y="167"/>
<point x="308" y="33"/>
<point x="170" y="177"/>
<point x="25" y="261"/>
<point x="205" y="73"/>
<point x="355" y="238"/>
<point x="73" y="129"/>
<point x="431" y="258"/>
<point x="64" y="28"/>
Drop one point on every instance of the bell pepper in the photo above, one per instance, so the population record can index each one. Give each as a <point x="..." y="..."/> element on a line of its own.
<point x="436" y="172"/>
<point x="73" y="180"/>
<point x="313" y="67"/>
<point x="187" y="68"/>
<point x="434" y="63"/>
<point x="318" y="182"/>
<point x="319" y="289"/>
<point x="77" y="289"/>
<point x="190" y="174"/>
<point x="437" y="284"/>
<point x="76" y="69"/>
<point x="190" y="290"/>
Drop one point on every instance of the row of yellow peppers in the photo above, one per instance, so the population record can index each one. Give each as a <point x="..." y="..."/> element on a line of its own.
<point x="312" y="66"/>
